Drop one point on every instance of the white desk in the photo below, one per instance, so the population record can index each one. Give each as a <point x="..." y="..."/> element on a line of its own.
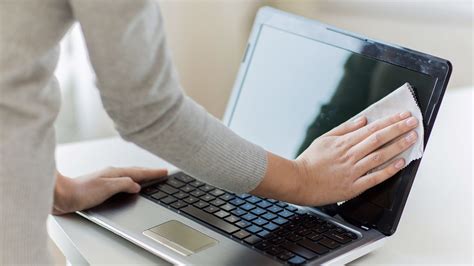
<point x="436" y="226"/>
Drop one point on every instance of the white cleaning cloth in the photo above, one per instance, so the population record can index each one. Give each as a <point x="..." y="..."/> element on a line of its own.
<point x="400" y="100"/>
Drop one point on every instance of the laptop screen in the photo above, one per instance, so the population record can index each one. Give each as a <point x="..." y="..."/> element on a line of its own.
<point x="296" y="89"/>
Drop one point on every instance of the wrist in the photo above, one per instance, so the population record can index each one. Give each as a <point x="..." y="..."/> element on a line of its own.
<point x="63" y="194"/>
<point x="281" y="180"/>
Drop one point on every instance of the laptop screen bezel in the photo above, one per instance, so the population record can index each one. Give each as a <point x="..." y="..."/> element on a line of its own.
<point x="438" y="68"/>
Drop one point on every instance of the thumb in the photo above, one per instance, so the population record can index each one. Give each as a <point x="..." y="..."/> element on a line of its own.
<point x="124" y="184"/>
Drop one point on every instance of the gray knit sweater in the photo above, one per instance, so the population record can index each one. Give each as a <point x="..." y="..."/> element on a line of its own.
<point x="139" y="90"/>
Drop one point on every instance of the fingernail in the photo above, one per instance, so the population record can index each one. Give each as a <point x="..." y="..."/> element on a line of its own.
<point x="411" y="137"/>
<point x="404" y="115"/>
<point x="412" y="121"/>
<point x="138" y="188"/>
<point x="399" y="164"/>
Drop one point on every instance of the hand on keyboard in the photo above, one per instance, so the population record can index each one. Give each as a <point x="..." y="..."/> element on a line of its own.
<point x="75" y="194"/>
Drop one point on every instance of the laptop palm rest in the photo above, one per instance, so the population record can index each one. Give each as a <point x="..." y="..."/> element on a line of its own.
<point x="180" y="237"/>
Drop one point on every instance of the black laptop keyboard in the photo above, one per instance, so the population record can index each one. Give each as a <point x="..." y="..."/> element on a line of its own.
<point x="272" y="227"/>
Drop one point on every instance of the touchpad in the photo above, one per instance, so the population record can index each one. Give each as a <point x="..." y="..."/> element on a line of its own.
<point x="180" y="237"/>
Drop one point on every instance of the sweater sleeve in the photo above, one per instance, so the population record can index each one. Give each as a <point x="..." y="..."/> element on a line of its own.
<point x="29" y="102"/>
<point x="141" y="93"/>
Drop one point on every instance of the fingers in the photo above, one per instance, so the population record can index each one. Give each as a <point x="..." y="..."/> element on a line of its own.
<point x="122" y="184"/>
<point x="386" y="153"/>
<point x="348" y="126"/>
<point x="375" y="178"/>
<point x="361" y="134"/>
<point x="383" y="136"/>
<point x="137" y="174"/>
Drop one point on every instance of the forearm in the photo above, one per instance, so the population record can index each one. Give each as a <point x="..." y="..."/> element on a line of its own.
<point x="281" y="180"/>
<point x="141" y="93"/>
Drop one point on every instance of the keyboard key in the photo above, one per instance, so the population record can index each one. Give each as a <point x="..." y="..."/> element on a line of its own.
<point x="241" y="234"/>
<point x="178" y="204"/>
<point x="351" y="235"/>
<point x="242" y="224"/>
<point x="217" y="202"/>
<point x="291" y="208"/>
<point x="329" y="243"/>
<point x="282" y="204"/>
<point x="248" y="217"/>
<point x="299" y="250"/>
<point x="286" y="255"/>
<point x="269" y="216"/>
<point x="263" y="245"/>
<point x="330" y="225"/>
<point x="180" y="195"/>
<point x="320" y="229"/>
<point x="259" y="221"/>
<point x="254" y="229"/>
<point x="274" y="250"/>
<point x="283" y="231"/>
<point x="227" y="197"/>
<point x="175" y="183"/>
<point x="232" y="219"/>
<point x="221" y="214"/>
<point x="258" y="211"/>
<point x="274" y="209"/>
<point x="338" y="237"/>
<point x="159" y="195"/>
<point x="277" y="240"/>
<point x="244" y="196"/>
<point x="210" y="219"/>
<point x="264" y="234"/>
<point x="247" y="206"/>
<point x="237" y="201"/>
<point x="294" y="237"/>
<point x="280" y="221"/>
<point x="168" y="200"/>
<point x="296" y="260"/>
<point x="196" y="183"/>
<point x="208" y="197"/>
<point x="206" y="188"/>
<point x="253" y="199"/>
<point x="211" y="209"/>
<point x="168" y="189"/>
<point x="314" y="237"/>
<point x="300" y="212"/>
<point x="264" y="204"/>
<point x="201" y="204"/>
<point x="285" y="214"/>
<point x="198" y="193"/>
<point x="228" y="207"/>
<point x="310" y="224"/>
<point x="239" y="212"/>
<point x="217" y="192"/>
<point x="187" y="188"/>
<point x="315" y="247"/>
<point x="271" y="227"/>
<point x="252" y="240"/>
<point x="184" y="178"/>
<point x="149" y="190"/>
<point x="303" y="231"/>
<point x="191" y="200"/>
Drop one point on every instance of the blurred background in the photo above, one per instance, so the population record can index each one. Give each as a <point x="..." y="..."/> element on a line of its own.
<point x="207" y="39"/>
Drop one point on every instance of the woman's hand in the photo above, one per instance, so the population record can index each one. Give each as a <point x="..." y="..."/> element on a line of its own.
<point x="334" y="167"/>
<point x="75" y="194"/>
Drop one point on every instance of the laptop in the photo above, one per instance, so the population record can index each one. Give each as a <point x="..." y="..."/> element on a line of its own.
<point x="298" y="79"/>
